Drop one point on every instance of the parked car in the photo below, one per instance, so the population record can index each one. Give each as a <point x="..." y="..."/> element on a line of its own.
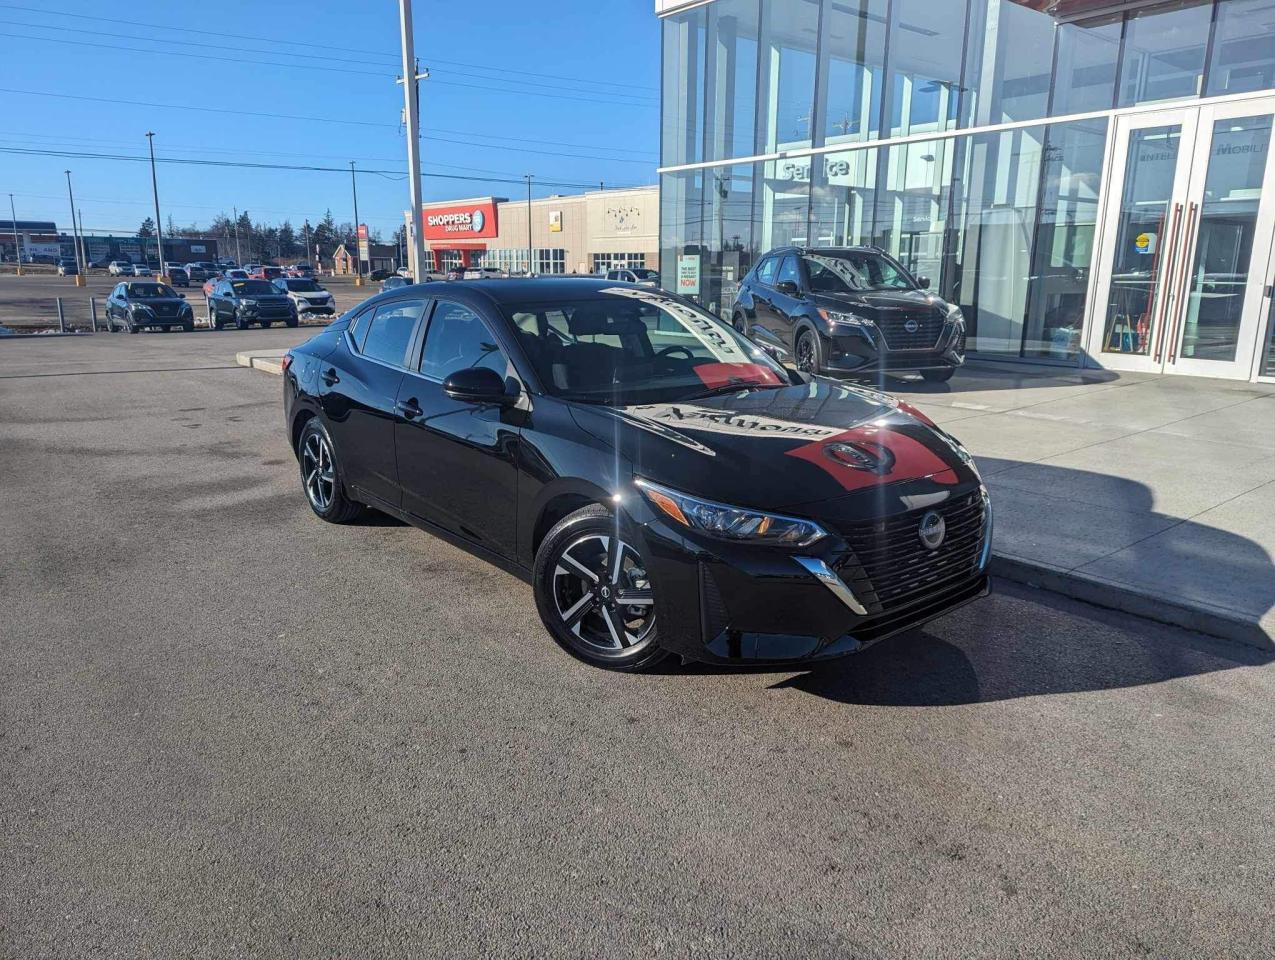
<point x="306" y="295"/>
<point x="406" y="272"/>
<point x="667" y="488"/>
<point x="177" y="276"/>
<point x="67" y="267"/>
<point x="142" y="270"/>
<point x="454" y="273"/>
<point x="482" y="273"/>
<point x="227" y="263"/>
<point x="380" y="274"/>
<point x="209" y="285"/>
<point x="132" y="306"/>
<point x="197" y="272"/>
<point x="393" y="282"/>
<point x="849" y="310"/>
<point x="120" y="268"/>
<point x="172" y="266"/>
<point x="244" y="302"/>
<point x="301" y="269"/>
<point x="639" y="275"/>
<point x="266" y="271"/>
<point x="251" y="268"/>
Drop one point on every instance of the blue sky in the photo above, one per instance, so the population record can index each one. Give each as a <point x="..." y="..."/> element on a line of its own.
<point x="566" y="90"/>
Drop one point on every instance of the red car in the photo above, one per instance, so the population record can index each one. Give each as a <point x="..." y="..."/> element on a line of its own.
<point x="267" y="271"/>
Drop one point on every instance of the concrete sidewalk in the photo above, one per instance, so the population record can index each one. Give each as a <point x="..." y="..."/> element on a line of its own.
<point x="1148" y="494"/>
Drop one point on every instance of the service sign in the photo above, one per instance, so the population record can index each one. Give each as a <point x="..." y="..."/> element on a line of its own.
<point x="464" y="221"/>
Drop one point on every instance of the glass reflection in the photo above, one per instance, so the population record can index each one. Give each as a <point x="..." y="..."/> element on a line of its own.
<point x="1243" y="47"/>
<point x="1088" y="56"/>
<point x="731" y="74"/>
<point x="790" y="36"/>
<point x="1164" y="50"/>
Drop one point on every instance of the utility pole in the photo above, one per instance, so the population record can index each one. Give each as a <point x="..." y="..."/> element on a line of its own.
<point x="412" y="120"/>
<point x="75" y="234"/>
<point x="17" y="244"/>
<point x="83" y="243"/>
<point x="307" y="241"/>
<point x="531" y="252"/>
<point x="358" y="260"/>
<point x="159" y="232"/>
<point x="238" y="255"/>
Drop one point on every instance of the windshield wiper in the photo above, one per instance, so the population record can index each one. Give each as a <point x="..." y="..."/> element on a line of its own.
<point x="736" y="385"/>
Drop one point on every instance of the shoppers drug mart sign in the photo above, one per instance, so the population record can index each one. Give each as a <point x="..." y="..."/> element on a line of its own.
<point x="461" y="221"/>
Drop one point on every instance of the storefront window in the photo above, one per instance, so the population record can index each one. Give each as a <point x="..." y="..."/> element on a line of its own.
<point x="1164" y="49"/>
<point x="1007" y="66"/>
<point x="927" y="42"/>
<point x="851" y="78"/>
<point x="783" y="203"/>
<point x="681" y="227"/>
<point x="790" y="35"/>
<point x="728" y="235"/>
<point x="912" y="204"/>
<point x="682" y="131"/>
<point x="1243" y="47"/>
<point x="843" y="198"/>
<point x="731" y="74"/>
<point x="1088" y="57"/>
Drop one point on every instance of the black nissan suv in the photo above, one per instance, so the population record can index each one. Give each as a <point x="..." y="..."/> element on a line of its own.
<point x="850" y="311"/>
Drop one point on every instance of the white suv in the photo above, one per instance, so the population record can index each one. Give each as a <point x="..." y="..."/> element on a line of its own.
<point x="120" y="268"/>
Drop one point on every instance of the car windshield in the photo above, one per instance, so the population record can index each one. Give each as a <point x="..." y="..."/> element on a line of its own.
<point x="149" y="291"/>
<point x="254" y="288"/>
<point x="628" y="346"/>
<point x="854" y="273"/>
<point x="236" y="275"/>
<point x="642" y="274"/>
<point x="303" y="286"/>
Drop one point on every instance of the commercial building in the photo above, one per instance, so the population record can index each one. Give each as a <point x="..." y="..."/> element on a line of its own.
<point x="1088" y="179"/>
<point x="581" y="233"/>
<point x="36" y="240"/>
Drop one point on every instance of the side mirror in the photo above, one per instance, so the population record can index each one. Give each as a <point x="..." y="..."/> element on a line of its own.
<point x="182" y="295"/>
<point x="787" y="288"/>
<point x="478" y="385"/>
<point x="923" y="282"/>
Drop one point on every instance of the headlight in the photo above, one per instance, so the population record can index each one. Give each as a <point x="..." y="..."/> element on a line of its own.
<point x="247" y="303"/>
<point x="954" y="314"/>
<point x="730" y="523"/>
<point x="141" y="308"/>
<point x="844" y="319"/>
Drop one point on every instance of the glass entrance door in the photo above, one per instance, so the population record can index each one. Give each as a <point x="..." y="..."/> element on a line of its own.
<point x="1187" y="241"/>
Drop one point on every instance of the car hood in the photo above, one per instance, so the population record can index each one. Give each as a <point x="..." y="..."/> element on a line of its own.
<point x="785" y="447"/>
<point x="881" y="304"/>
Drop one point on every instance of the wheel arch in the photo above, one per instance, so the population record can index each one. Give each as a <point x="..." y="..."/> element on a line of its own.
<point x="556" y="501"/>
<point x="299" y="419"/>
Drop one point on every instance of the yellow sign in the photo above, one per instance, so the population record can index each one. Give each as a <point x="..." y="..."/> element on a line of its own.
<point x="1144" y="243"/>
<point x="555" y="221"/>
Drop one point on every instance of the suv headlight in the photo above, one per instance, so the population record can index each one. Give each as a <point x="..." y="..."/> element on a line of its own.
<point x="141" y="308"/>
<point x="954" y="314"/>
<point x="247" y="303"/>
<point x="838" y="319"/>
<point x="730" y="523"/>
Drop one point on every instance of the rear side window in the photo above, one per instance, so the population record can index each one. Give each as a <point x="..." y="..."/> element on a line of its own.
<point x="766" y="272"/>
<point x="390" y="331"/>
<point x="458" y="339"/>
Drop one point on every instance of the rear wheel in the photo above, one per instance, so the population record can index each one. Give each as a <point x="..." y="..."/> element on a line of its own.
<point x="740" y="324"/>
<point x="593" y="593"/>
<point x="938" y="376"/>
<point x="322" y="477"/>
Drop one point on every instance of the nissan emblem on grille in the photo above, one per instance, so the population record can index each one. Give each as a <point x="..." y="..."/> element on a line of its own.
<point x="932" y="530"/>
<point x="911" y="326"/>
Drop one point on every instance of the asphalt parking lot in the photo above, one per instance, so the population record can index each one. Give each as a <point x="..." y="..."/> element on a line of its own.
<point x="29" y="302"/>
<point x="227" y="728"/>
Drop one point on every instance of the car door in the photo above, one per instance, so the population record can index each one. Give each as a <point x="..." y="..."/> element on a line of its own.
<point x="216" y="302"/>
<point x="785" y="301"/>
<point x="762" y="293"/>
<point x="456" y="460"/>
<point x="113" y="302"/>
<point x="358" y="387"/>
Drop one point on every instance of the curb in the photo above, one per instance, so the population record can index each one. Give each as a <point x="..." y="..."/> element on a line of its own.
<point x="1212" y="621"/>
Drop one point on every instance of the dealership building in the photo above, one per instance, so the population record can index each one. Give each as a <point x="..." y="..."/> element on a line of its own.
<point x="581" y="233"/>
<point x="1089" y="180"/>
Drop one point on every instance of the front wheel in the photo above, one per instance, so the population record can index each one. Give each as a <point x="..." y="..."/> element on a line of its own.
<point x="740" y="324"/>
<point x="131" y="327"/>
<point x="188" y="326"/>
<point x="938" y="376"/>
<point x="240" y="323"/>
<point x="322" y="477"/>
<point x="265" y="324"/>
<point x="593" y="593"/>
<point x="807" y="352"/>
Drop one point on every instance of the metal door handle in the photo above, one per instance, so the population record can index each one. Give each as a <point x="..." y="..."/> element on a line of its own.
<point x="1183" y="278"/>
<point x="409" y="408"/>
<point x="330" y="377"/>
<point x="1165" y="259"/>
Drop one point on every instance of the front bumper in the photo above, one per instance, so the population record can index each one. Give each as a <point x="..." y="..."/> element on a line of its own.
<point x="866" y="350"/>
<point x="326" y="309"/>
<point x="730" y="603"/>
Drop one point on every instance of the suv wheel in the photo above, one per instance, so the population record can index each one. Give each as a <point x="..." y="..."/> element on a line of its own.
<point x="322" y="477"/>
<point x="740" y="323"/>
<point x="807" y="351"/>
<point x="593" y="593"/>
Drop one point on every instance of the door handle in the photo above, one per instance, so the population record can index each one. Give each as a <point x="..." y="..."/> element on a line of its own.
<point x="409" y="408"/>
<point x="1165" y="259"/>
<point x="330" y="377"/>
<point x="1182" y="278"/>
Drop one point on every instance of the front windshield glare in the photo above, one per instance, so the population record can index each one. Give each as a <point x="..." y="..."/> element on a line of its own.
<point x="854" y="273"/>
<point x="149" y="291"/>
<point x="629" y="346"/>
<point x="254" y="288"/>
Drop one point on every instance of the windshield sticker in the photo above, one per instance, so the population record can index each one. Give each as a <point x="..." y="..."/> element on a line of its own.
<point x="715" y="340"/>
<point x="745" y="375"/>
<point x="689" y="417"/>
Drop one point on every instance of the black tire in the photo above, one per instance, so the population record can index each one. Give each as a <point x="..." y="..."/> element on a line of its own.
<point x="807" y="352"/>
<point x="938" y="376"/>
<point x="602" y="627"/>
<point x="131" y="327"/>
<point x="189" y="326"/>
<point x="327" y="497"/>
<point x="240" y="323"/>
<point x="265" y="324"/>
<point x="292" y="321"/>
<point x="740" y="323"/>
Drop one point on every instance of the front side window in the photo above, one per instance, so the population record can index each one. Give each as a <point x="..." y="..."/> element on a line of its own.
<point x="631" y="345"/>
<point x="390" y="331"/>
<point x="854" y="273"/>
<point x="789" y="272"/>
<point x="458" y="339"/>
<point x="766" y="271"/>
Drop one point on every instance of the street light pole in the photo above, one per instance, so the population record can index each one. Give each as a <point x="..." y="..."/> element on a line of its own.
<point x="358" y="260"/>
<point x="307" y="240"/>
<point x="238" y="255"/>
<point x="159" y="230"/>
<point x="84" y="254"/>
<point x="75" y="234"/>
<point x="531" y="252"/>
<point x="17" y="244"/>
<point x="412" y="121"/>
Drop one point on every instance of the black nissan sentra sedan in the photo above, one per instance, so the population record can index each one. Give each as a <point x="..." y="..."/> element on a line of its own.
<point x="667" y="487"/>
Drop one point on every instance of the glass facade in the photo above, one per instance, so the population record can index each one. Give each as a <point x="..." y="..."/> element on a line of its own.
<point x="793" y="109"/>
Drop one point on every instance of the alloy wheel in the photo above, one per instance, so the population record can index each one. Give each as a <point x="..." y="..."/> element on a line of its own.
<point x="319" y="473"/>
<point x="602" y="594"/>
<point x="806" y="353"/>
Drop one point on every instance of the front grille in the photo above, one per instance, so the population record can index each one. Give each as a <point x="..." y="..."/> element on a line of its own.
<point x="891" y="561"/>
<point x="894" y="327"/>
